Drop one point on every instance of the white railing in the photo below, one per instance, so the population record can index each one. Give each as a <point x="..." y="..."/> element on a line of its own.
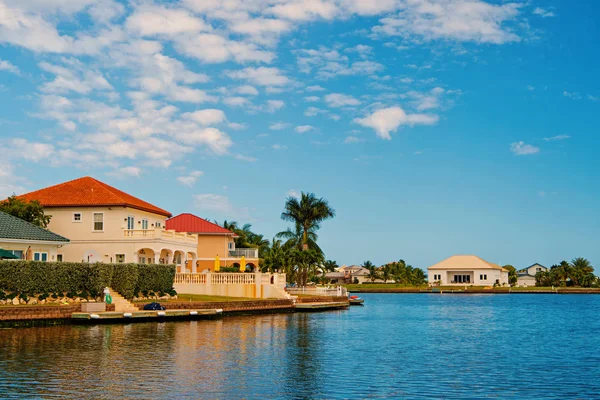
<point x="232" y="278"/>
<point x="248" y="253"/>
<point x="160" y="233"/>
<point x="319" y="291"/>
<point x="199" y="279"/>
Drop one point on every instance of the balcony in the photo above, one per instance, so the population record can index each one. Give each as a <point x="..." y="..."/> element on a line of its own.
<point x="248" y="253"/>
<point x="159" y="233"/>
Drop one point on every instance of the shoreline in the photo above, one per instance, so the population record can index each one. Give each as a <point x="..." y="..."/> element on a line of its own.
<point x="40" y="316"/>
<point x="473" y="291"/>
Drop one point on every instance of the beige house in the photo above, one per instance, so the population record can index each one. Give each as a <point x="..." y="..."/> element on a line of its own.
<point x="25" y="241"/>
<point x="349" y="274"/>
<point x="526" y="276"/>
<point x="105" y="224"/>
<point x="463" y="270"/>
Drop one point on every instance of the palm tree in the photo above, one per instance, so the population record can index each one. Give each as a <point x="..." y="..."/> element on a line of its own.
<point x="295" y="239"/>
<point x="307" y="214"/>
<point x="274" y="257"/>
<point x="368" y="265"/>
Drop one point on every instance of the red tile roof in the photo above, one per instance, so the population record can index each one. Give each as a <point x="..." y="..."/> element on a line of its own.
<point x="192" y="224"/>
<point x="89" y="192"/>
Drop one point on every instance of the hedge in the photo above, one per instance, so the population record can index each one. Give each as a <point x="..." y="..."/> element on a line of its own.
<point x="33" y="278"/>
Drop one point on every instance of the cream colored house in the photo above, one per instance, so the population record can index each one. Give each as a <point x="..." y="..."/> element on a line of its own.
<point x="105" y="224"/>
<point x="26" y="241"/>
<point x="526" y="276"/>
<point x="467" y="270"/>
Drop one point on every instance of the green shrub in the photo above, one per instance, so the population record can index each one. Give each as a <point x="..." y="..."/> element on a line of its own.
<point x="53" y="279"/>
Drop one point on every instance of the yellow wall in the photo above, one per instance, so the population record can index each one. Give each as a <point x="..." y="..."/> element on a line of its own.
<point x="210" y="246"/>
<point x="51" y="249"/>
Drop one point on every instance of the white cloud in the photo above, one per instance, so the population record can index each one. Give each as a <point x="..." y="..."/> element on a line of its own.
<point x="351" y="139"/>
<point x="9" y="67"/>
<point x="247" y="89"/>
<point x="133" y="172"/>
<point x="274" y="105"/>
<point x="293" y="193"/>
<point x="73" y="76"/>
<point x="154" y="20"/>
<point x="312" y="98"/>
<point x="190" y="179"/>
<point x="206" y="117"/>
<point x="245" y="158"/>
<point x="543" y="12"/>
<point x="236" y="101"/>
<point x="261" y="76"/>
<point x="316" y="88"/>
<point x="305" y="10"/>
<point x="32" y="151"/>
<point x="460" y="20"/>
<point x="341" y="100"/>
<point x="522" y="149"/>
<point x="304" y="128"/>
<point x="9" y="182"/>
<point x="277" y="146"/>
<point x="213" y="48"/>
<point x="277" y="126"/>
<point x="556" y="138"/>
<point x="572" y="95"/>
<point x="389" y="119"/>
<point x="313" y="111"/>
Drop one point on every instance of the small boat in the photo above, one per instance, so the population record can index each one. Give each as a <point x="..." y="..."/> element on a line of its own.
<point x="356" y="301"/>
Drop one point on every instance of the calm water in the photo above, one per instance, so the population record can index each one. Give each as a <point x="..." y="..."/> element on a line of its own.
<point x="397" y="346"/>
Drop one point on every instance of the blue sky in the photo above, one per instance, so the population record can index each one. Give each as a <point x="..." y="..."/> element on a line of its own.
<point x="434" y="127"/>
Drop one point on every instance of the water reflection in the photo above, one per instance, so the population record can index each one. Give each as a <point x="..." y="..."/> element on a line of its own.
<point x="398" y="346"/>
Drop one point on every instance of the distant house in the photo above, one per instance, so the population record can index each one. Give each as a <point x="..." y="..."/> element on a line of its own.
<point x="526" y="276"/>
<point x="348" y="274"/>
<point x="27" y="241"/>
<point x="464" y="270"/>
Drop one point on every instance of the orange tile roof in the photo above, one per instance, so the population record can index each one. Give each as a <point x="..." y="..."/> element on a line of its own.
<point x="89" y="192"/>
<point x="192" y="224"/>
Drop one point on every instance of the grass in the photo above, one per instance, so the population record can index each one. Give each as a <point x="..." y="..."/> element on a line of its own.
<point x="383" y="286"/>
<point x="400" y="287"/>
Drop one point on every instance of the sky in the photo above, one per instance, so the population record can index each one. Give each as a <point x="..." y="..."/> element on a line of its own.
<point x="433" y="127"/>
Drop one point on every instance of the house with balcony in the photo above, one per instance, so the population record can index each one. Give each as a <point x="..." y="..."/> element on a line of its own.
<point x="526" y="276"/>
<point x="467" y="270"/>
<point x="213" y="241"/>
<point x="105" y="224"/>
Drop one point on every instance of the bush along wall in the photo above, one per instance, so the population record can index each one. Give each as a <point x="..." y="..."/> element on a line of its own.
<point x="55" y="280"/>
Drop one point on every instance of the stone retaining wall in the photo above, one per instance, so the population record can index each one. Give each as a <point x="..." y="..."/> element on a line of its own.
<point x="226" y="306"/>
<point x="28" y="313"/>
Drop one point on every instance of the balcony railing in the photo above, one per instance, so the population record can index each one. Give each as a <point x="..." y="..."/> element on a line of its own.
<point x="248" y="253"/>
<point x="160" y="233"/>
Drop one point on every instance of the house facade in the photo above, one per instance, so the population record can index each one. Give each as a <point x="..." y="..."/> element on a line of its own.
<point x="526" y="276"/>
<point x="213" y="241"/>
<point x="467" y="270"/>
<point x="349" y="274"/>
<point x="27" y="241"/>
<point x="105" y="224"/>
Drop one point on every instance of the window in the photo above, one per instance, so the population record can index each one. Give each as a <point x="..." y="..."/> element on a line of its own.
<point x="120" y="258"/>
<point x="538" y="269"/>
<point x="231" y="245"/>
<point x="98" y="221"/>
<point x="59" y="257"/>
<point x="483" y="277"/>
<point x="144" y="224"/>
<point x="158" y="224"/>
<point x="437" y="277"/>
<point x="18" y="253"/>
<point x="40" y="256"/>
<point x="142" y="260"/>
<point x="130" y="222"/>
<point x="76" y="217"/>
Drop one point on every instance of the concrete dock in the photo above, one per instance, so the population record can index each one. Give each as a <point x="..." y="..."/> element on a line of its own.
<point x="321" y="306"/>
<point x="116" y="316"/>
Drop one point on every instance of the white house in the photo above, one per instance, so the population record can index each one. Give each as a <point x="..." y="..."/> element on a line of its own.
<point x="526" y="276"/>
<point x="465" y="270"/>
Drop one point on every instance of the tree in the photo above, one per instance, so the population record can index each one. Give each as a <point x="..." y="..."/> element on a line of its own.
<point x="368" y="265"/>
<point x="295" y="239"/>
<point x="28" y="211"/>
<point x="386" y="273"/>
<point x="306" y="261"/>
<point x="274" y="257"/>
<point x="512" y="274"/>
<point x="307" y="214"/>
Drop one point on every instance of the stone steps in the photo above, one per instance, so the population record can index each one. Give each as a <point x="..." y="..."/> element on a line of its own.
<point x="121" y="303"/>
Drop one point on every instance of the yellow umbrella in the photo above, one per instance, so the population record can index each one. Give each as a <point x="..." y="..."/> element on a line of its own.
<point x="217" y="264"/>
<point x="243" y="264"/>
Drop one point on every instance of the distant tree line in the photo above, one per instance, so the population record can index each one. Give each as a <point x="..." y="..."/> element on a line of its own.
<point x="399" y="272"/>
<point x="578" y="272"/>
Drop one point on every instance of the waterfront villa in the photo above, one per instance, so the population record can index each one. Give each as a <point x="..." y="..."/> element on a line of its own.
<point x="469" y="270"/>
<point x="25" y="241"/>
<point x="105" y="224"/>
<point x="526" y="276"/>
<point x="213" y="241"/>
<point x="349" y="274"/>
